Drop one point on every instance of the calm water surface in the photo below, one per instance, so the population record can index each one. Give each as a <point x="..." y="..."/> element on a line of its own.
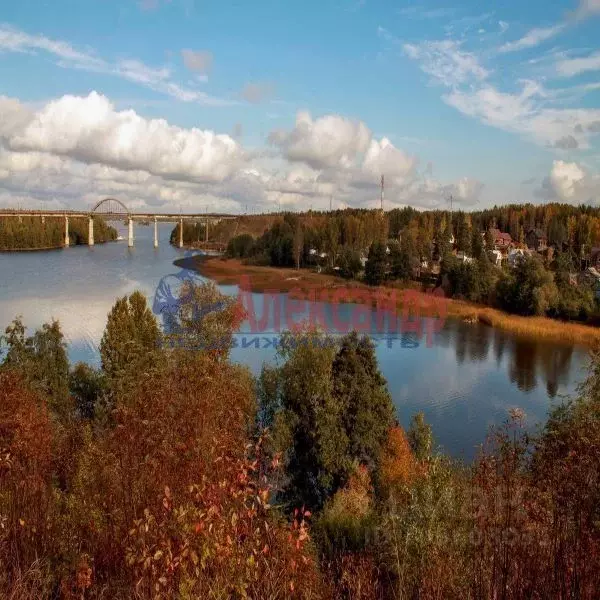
<point x="466" y="381"/>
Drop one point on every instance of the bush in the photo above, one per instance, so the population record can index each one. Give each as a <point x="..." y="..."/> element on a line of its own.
<point x="241" y="246"/>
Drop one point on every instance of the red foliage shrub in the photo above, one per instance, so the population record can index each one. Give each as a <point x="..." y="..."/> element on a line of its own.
<point x="25" y="474"/>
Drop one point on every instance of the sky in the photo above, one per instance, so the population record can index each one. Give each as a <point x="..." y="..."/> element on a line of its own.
<point x="191" y="105"/>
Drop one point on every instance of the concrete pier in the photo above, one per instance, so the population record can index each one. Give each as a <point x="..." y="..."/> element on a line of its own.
<point x="155" y="233"/>
<point x="130" y="236"/>
<point x="67" y="242"/>
<point x="91" y="232"/>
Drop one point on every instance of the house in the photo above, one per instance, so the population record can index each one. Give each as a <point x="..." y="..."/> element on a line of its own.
<point x="501" y="240"/>
<point x="516" y="255"/>
<point x="463" y="257"/>
<point x="595" y="258"/>
<point x="536" y="240"/>
<point x="496" y="257"/>
<point x="592" y="276"/>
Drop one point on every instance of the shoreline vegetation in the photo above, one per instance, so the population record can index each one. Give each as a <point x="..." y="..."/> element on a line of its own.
<point x="172" y="472"/>
<point x="31" y="234"/>
<point x="228" y="271"/>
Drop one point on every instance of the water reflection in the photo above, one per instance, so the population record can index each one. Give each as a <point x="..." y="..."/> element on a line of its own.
<point x="465" y="381"/>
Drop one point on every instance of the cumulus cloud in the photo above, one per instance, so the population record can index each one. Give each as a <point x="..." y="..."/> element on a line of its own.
<point x="90" y="130"/>
<point x="446" y="62"/>
<point x="199" y="62"/>
<point x="570" y="182"/>
<point x="383" y="157"/>
<point x="74" y="150"/>
<point x="328" y="141"/>
<point x="532" y="38"/>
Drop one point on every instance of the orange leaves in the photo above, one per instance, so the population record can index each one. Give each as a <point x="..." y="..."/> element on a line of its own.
<point x="398" y="466"/>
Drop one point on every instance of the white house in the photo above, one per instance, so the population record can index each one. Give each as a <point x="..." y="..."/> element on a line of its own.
<point x="496" y="257"/>
<point x="516" y="255"/>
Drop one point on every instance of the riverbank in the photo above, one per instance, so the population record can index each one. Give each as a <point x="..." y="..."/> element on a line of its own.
<point x="7" y="250"/>
<point x="261" y="279"/>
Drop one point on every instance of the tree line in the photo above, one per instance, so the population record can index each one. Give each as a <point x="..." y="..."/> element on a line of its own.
<point x="438" y="248"/>
<point x="30" y="232"/>
<point x="170" y="472"/>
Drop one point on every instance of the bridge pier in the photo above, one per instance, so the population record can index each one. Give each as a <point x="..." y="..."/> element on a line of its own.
<point x="155" y="233"/>
<point x="91" y="232"/>
<point x="67" y="241"/>
<point x="130" y="236"/>
<point x="181" y="233"/>
<point x="206" y="232"/>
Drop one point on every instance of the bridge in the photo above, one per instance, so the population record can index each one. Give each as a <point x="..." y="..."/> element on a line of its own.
<point x="111" y="209"/>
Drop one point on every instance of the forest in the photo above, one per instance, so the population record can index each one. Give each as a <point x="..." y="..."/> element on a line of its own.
<point x="455" y="250"/>
<point x="171" y="472"/>
<point x="29" y="233"/>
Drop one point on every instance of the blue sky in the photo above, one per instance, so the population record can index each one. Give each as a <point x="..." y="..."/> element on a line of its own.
<point x="226" y="105"/>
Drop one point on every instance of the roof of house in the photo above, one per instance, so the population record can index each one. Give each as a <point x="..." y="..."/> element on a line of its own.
<point x="499" y="235"/>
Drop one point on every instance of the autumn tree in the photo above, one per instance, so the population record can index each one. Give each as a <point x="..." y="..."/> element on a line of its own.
<point x="42" y="359"/>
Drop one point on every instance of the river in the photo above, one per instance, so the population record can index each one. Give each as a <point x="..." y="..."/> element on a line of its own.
<point x="465" y="381"/>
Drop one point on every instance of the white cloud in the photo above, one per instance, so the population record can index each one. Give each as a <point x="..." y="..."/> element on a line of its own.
<point x="525" y="113"/>
<point x="587" y="8"/>
<point x="446" y="62"/>
<point x="532" y="38"/>
<point x="90" y="130"/>
<point x="328" y="141"/>
<point x="66" y="56"/>
<point x="570" y="182"/>
<point x="74" y="150"/>
<point x="199" y="62"/>
<point x="574" y="66"/>
<point x="383" y="157"/>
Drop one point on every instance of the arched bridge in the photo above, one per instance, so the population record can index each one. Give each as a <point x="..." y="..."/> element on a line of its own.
<point x="112" y="209"/>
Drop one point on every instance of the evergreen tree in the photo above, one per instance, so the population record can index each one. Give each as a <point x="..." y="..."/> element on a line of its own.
<point x="131" y="340"/>
<point x="328" y="409"/>
<point x="375" y="268"/>
<point x="477" y="250"/>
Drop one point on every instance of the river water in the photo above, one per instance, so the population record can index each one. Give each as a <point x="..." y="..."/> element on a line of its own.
<point x="466" y="380"/>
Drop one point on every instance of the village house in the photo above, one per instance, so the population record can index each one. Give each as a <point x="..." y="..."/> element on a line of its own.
<point x="463" y="257"/>
<point x="516" y="255"/>
<point x="496" y="257"/>
<point x="536" y="240"/>
<point x="594" y="260"/>
<point x="502" y="240"/>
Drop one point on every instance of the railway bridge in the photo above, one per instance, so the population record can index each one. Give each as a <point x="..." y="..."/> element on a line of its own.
<point x="111" y="209"/>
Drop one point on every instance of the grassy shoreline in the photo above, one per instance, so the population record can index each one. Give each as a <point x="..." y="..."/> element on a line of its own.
<point x="303" y="283"/>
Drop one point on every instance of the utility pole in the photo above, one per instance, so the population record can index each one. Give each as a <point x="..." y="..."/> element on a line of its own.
<point x="330" y="202"/>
